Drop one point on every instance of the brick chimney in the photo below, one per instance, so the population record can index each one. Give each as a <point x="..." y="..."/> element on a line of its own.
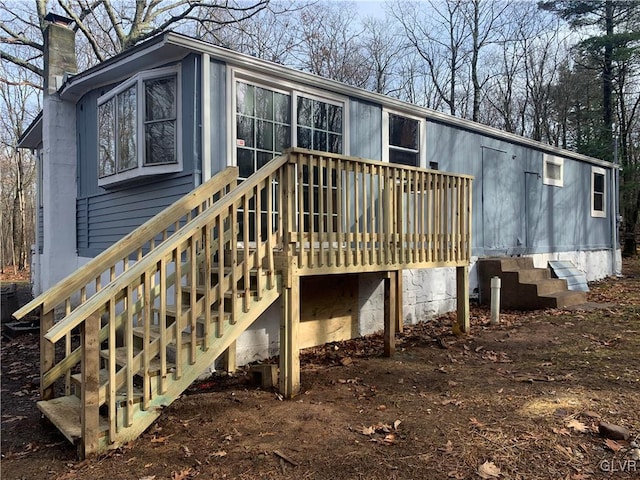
<point x="59" y="157"/>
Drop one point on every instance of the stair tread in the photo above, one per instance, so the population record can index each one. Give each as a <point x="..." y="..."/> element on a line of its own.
<point x="200" y="290"/>
<point x="121" y="359"/>
<point x="121" y="395"/>
<point x="65" y="413"/>
<point x="154" y="332"/>
<point x="171" y="311"/>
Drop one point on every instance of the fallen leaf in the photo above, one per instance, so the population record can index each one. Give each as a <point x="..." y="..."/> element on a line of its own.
<point x="565" y="451"/>
<point x="488" y="470"/>
<point x="148" y="477"/>
<point x="182" y="474"/>
<point x="391" y="438"/>
<point x="346" y="361"/>
<point x="396" y="424"/>
<point x="187" y="451"/>
<point x="474" y="421"/>
<point x="155" y="439"/>
<point x="448" y="447"/>
<point x="561" y="431"/>
<point x="219" y="453"/>
<point x="367" y="430"/>
<point x="612" y="445"/>
<point x="578" y="426"/>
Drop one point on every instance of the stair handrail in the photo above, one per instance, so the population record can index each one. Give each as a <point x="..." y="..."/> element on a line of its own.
<point x="132" y="242"/>
<point x="93" y="304"/>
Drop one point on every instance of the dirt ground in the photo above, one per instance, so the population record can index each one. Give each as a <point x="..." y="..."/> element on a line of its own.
<point x="521" y="400"/>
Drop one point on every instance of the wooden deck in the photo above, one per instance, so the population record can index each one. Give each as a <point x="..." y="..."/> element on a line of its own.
<point x="161" y="305"/>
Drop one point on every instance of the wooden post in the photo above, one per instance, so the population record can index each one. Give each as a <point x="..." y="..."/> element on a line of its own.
<point x="229" y="358"/>
<point x="289" y="346"/>
<point x="47" y="354"/>
<point x="90" y="386"/>
<point x="390" y="313"/>
<point x="462" y="295"/>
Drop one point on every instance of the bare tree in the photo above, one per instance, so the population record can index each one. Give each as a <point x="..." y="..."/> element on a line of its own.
<point x="18" y="172"/>
<point x="109" y="27"/>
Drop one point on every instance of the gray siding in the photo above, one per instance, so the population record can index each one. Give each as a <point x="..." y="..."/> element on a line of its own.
<point x="106" y="218"/>
<point x="513" y="211"/>
<point x="365" y="129"/>
<point x="106" y="215"/>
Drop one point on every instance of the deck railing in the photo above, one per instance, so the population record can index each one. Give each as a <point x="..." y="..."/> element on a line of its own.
<point x="347" y="214"/>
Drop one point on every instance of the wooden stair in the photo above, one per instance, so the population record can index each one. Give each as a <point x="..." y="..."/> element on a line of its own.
<point x="524" y="287"/>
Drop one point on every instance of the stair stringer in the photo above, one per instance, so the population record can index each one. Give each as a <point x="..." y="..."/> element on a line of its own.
<point x="142" y="419"/>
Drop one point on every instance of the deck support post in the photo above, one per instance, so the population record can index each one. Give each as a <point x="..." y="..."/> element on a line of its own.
<point x="229" y="358"/>
<point x="90" y="415"/>
<point x="289" y="345"/>
<point x="390" y="320"/>
<point x="462" y="296"/>
<point x="47" y="354"/>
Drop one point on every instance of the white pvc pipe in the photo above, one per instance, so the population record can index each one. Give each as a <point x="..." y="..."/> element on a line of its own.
<point x="495" y="300"/>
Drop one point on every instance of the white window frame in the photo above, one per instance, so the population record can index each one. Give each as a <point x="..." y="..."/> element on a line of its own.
<point x="422" y="130"/>
<point x="598" y="213"/>
<point x="289" y="88"/>
<point x="142" y="170"/>
<point x="552" y="160"/>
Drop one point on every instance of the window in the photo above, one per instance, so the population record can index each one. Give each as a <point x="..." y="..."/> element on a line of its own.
<point x="138" y="127"/>
<point x="263" y="126"/>
<point x="598" y="192"/>
<point x="271" y="118"/>
<point x="403" y="139"/>
<point x="553" y="170"/>
<point x="319" y="125"/>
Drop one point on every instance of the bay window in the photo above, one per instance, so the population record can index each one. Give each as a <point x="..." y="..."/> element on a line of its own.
<point x="138" y="127"/>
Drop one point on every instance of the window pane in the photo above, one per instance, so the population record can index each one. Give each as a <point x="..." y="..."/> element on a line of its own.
<point x="263" y="159"/>
<point x="553" y="171"/>
<point x="403" y="132"/>
<point x="282" y="107"/>
<point x="402" y="157"/>
<point x="304" y="137"/>
<point x="598" y="202"/>
<point x="160" y="143"/>
<point x="106" y="139"/>
<point x="283" y="138"/>
<point x="126" y="122"/>
<point x="264" y="135"/>
<point x="320" y="141"/>
<point x="160" y="99"/>
<point x="245" y="162"/>
<point x="264" y="103"/>
<point x="598" y="182"/>
<point x="245" y="130"/>
<point x="335" y="118"/>
<point x="244" y="98"/>
<point x="320" y="115"/>
<point x="304" y="111"/>
<point x="335" y="143"/>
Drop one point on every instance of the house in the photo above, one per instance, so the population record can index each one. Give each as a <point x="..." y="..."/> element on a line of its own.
<point x="120" y="142"/>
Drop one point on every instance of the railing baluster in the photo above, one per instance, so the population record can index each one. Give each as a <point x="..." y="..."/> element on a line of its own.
<point x="259" y="252"/>
<point x="300" y="227"/>
<point x="113" y="428"/>
<point x="128" y="341"/>
<point x="193" y="292"/>
<point x="270" y="246"/>
<point x="331" y="251"/>
<point x="67" y="349"/>
<point x="206" y="240"/>
<point x="321" y="213"/>
<point x="340" y="197"/>
<point x="357" y="252"/>
<point x="162" y="325"/>
<point x="178" y="324"/>
<point x="146" y="340"/>
<point x="312" y="213"/>
<point x="347" y="212"/>
<point x="371" y="217"/>
<point x="234" y="263"/>
<point x="221" y="276"/>
<point x="246" y="227"/>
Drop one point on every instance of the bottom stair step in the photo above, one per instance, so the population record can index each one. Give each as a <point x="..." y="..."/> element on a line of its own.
<point x="566" y="298"/>
<point x="66" y="414"/>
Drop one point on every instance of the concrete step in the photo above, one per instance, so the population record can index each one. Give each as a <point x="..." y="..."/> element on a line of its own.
<point x="566" y="298"/>
<point x="530" y="275"/>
